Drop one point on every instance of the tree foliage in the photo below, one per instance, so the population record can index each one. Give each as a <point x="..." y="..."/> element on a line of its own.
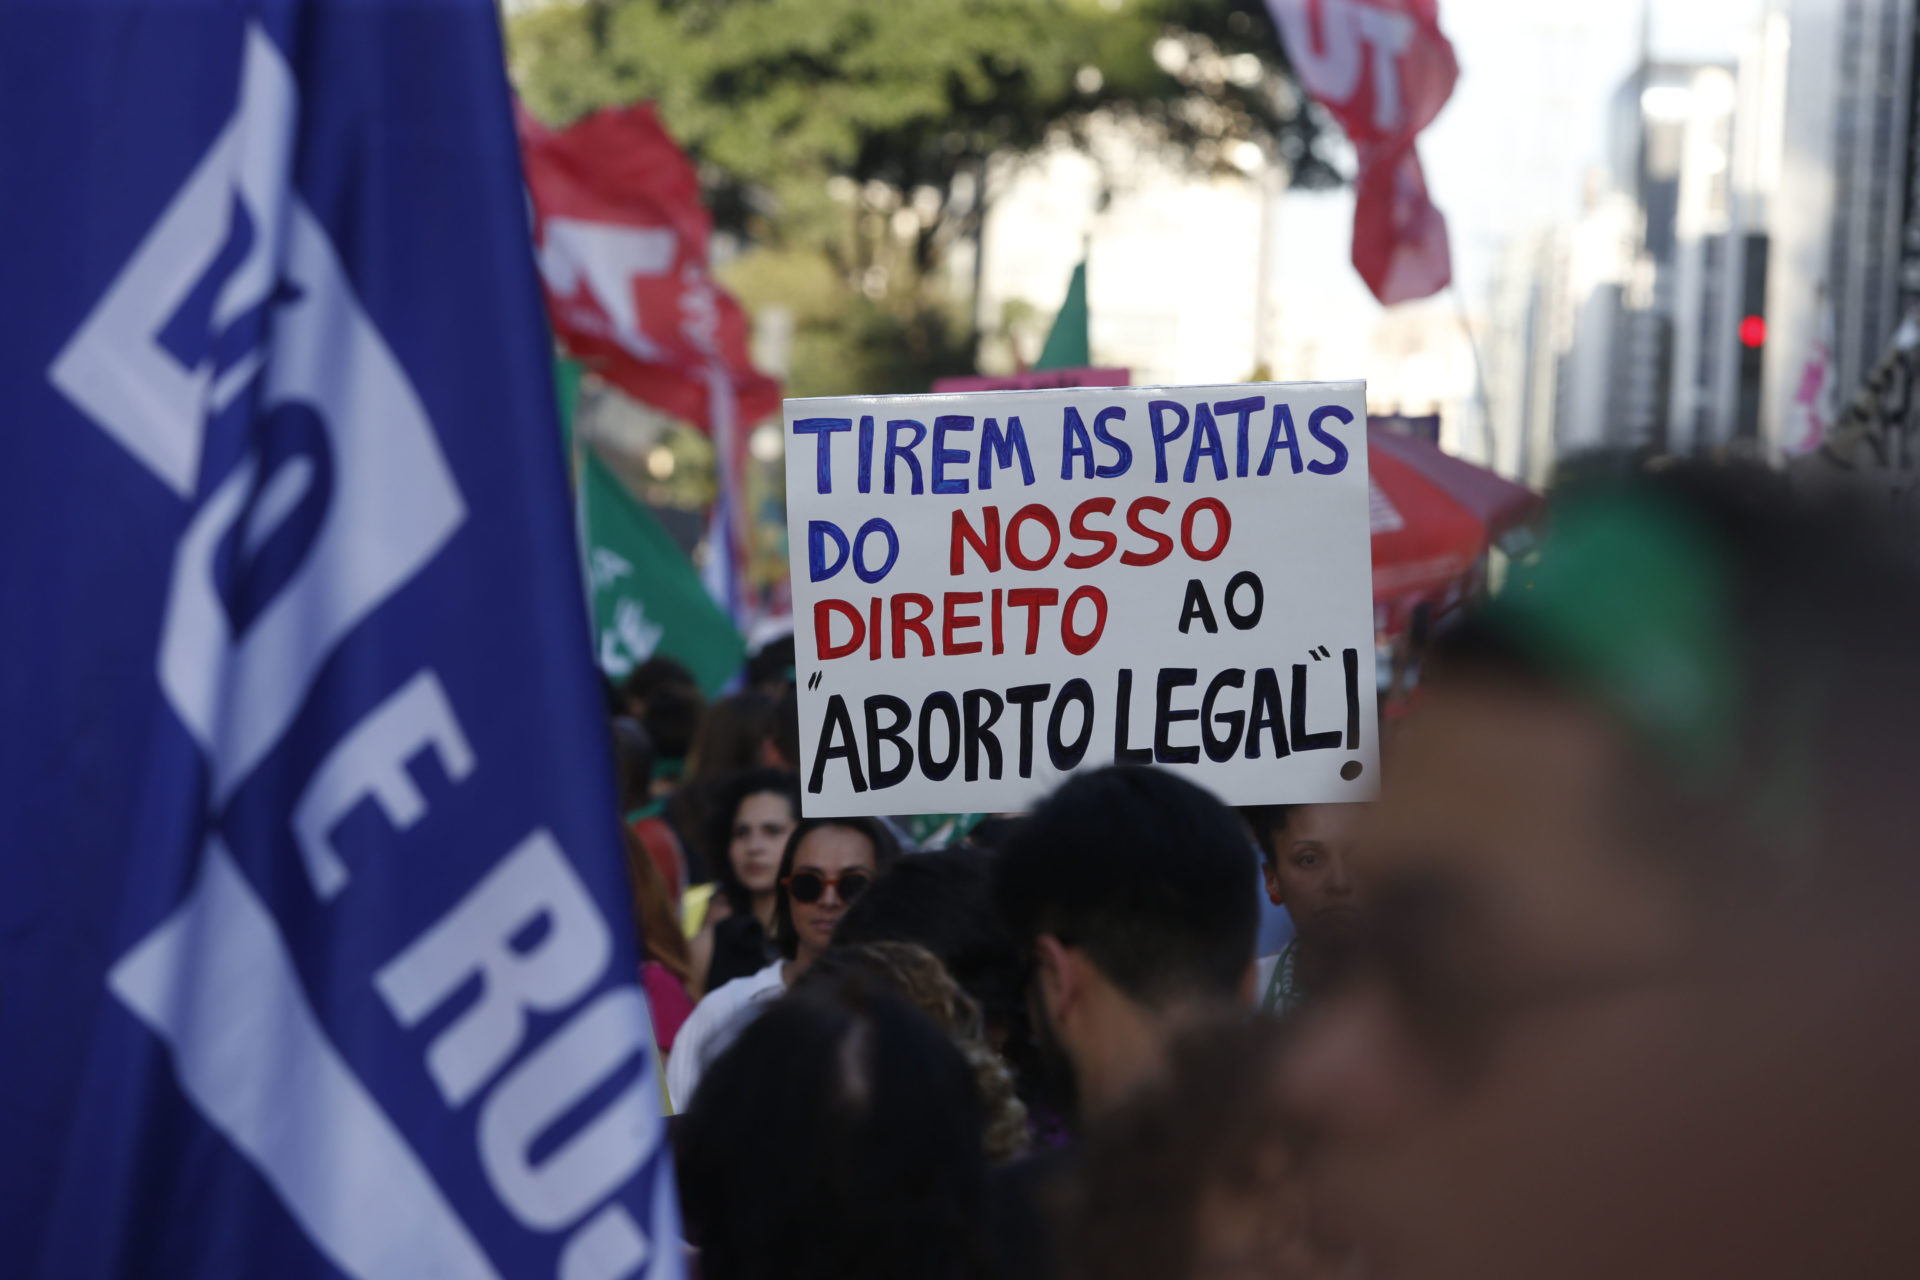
<point x="846" y="142"/>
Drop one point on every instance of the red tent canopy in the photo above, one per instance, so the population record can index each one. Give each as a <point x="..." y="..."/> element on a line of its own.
<point x="1434" y="516"/>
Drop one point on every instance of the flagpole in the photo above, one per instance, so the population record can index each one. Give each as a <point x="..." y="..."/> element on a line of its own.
<point x="1479" y="380"/>
<point x="582" y="520"/>
<point x="724" y="571"/>
<point x="567" y="385"/>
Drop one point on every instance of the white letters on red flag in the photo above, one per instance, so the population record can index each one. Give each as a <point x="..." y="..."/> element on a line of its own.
<point x="1384" y="70"/>
<point x="621" y="236"/>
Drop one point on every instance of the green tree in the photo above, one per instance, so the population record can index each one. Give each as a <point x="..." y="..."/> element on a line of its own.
<point x="846" y="142"/>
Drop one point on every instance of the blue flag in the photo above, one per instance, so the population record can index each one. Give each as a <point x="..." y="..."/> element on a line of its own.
<point x="317" y="956"/>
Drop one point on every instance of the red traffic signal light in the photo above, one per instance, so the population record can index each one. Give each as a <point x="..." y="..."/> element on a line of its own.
<point x="1753" y="332"/>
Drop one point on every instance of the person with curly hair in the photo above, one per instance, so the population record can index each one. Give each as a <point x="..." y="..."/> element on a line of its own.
<point x="915" y="973"/>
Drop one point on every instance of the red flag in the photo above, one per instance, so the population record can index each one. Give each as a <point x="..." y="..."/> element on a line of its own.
<point x="1384" y="70"/>
<point x="621" y="236"/>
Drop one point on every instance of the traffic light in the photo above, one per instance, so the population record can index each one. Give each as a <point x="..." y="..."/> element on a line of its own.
<point x="1753" y="337"/>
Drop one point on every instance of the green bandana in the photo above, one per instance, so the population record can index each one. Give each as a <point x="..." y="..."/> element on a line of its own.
<point x="1632" y="602"/>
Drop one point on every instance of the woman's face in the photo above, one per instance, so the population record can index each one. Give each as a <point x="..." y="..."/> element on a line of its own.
<point x="761" y="826"/>
<point x="828" y="854"/>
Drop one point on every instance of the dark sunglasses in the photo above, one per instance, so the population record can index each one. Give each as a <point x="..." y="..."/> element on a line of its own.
<point x="810" y="886"/>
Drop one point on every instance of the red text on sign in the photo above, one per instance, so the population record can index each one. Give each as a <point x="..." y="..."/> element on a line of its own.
<point x="910" y="625"/>
<point x="1031" y="538"/>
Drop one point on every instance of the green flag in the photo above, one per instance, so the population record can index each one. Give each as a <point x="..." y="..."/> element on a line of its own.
<point x="1067" y="346"/>
<point x="647" y="598"/>
<point x="566" y="387"/>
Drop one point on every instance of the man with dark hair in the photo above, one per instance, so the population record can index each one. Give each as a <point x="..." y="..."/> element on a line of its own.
<point x="1126" y="891"/>
<point x="664" y="697"/>
<point x="770" y="667"/>
<point x="1307" y="854"/>
<point x="653" y="675"/>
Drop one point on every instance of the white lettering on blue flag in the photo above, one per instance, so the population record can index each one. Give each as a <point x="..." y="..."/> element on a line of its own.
<point x="555" y="1191"/>
<point x="607" y="1248"/>
<point x="533" y="885"/>
<point x="216" y="983"/>
<point x="393" y="505"/>
<point x="116" y="368"/>
<point x="372" y="762"/>
<point x="341" y="486"/>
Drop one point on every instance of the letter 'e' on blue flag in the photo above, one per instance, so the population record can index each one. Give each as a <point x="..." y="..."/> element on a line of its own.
<point x="317" y="955"/>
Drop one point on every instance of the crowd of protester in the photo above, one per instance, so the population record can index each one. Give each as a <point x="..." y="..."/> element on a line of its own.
<point x="1617" y="978"/>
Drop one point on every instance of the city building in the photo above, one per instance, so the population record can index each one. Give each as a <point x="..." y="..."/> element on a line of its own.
<point x="1845" y="218"/>
<point x="1653" y="263"/>
<point x="1528" y="322"/>
<point x="1603" y="273"/>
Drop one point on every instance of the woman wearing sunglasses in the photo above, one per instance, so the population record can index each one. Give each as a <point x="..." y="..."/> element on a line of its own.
<point x="828" y="863"/>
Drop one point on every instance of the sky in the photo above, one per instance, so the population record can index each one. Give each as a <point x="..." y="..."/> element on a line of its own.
<point x="1510" y="152"/>
<point x="1526" y="122"/>
<point x="1527" y="119"/>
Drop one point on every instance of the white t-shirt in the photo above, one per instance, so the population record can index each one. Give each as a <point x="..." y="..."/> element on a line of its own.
<point x="1263" y="979"/>
<point x="713" y="1025"/>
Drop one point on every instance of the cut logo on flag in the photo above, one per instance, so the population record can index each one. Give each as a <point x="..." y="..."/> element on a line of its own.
<point x="1384" y="70"/>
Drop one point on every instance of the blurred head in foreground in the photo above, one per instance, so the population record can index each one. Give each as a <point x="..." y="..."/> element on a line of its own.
<point x="1625" y="1005"/>
<point x="1195" y="1177"/>
<point x="837" y="1139"/>
<point x="1127" y="892"/>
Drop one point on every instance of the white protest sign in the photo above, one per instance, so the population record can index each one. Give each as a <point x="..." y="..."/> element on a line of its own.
<point x="993" y="590"/>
